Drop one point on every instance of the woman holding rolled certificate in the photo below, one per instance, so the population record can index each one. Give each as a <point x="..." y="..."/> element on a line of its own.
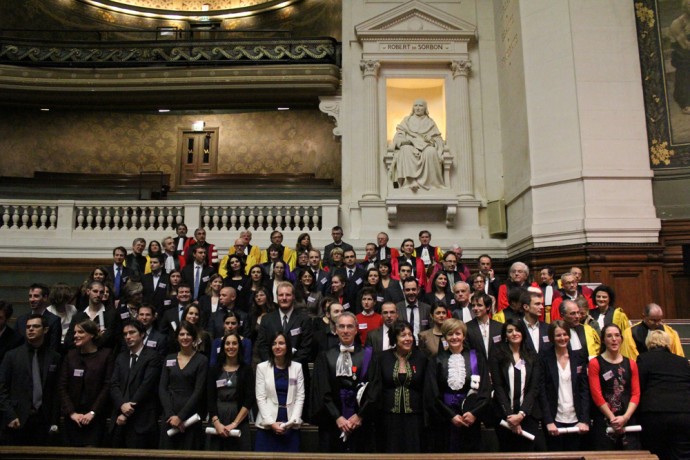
<point x="565" y="393"/>
<point x="181" y="390"/>
<point x="516" y="375"/>
<point x="280" y="399"/>
<point x="615" y="387"/>
<point x="230" y="397"/>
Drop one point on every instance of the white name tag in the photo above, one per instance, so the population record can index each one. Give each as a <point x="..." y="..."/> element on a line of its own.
<point x="379" y="298"/>
<point x="310" y="299"/>
<point x="296" y="331"/>
<point x="424" y="322"/>
<point x="579" y="370"/>
<point x="608" y="375"/>
<point x="218" y="350"/>
<point x="205" y="279"/>
<point x="221" y="383"/>
<point x="167" y="302"/>
<point x="497" y="338"/>
<point x="363" y="326"/>
<point x="324" y="280"/>
<point x="520" y="365"/>
<point x="444" y="343"/>
<point x="452" y="301"/>
<point x="292" y="381"/>
<point x="162" y="285"/>
<point x="346" y="306"/>
<point x="170" y="362"/>
<point x="358" y="281"/>
<point x="545" y="339"/>
<point x="239" y="288"/>
<point x="79" y="372"/>
<point x="151" y="343"/>
<point x="124" y="315"/>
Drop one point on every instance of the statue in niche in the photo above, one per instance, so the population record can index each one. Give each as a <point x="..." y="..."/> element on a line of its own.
<point x="418" y="155"/>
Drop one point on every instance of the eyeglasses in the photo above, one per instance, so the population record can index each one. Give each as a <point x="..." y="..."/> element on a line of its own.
<point x="34" y="326"/>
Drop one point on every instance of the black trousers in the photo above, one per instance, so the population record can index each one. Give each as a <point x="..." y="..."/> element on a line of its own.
<point x="666" y="434"/>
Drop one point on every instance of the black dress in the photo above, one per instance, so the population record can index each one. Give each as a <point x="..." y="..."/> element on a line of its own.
<point x="401" y="395"/>
<point x="182" y="393"/>
<point x="228" y="392"/>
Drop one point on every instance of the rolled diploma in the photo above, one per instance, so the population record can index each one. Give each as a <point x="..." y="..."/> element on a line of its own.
<point x="569" y="430"/>
<point x="524" y="434"/>
<point x="287" y="425"/>
<point x="233" y="433"/>
<point x="189" y="422"/>
<point x="627" y="429"/>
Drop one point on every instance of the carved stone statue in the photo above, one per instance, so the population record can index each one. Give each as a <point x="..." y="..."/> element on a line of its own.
<point x="418" y="154"/>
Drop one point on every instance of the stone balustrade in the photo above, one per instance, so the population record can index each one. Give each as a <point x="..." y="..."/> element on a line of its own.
<point x="66" y="228"/>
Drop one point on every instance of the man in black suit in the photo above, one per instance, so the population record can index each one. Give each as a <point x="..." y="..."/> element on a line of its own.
<point x="296" y="324"/>
<point x="337" y="235"/>
<point x="324" y="335"/>
<point x="153" y="339"/>
<point x="198" y="273"/>
<point x="425" y="251"/>
<point x="28" y="388"/>
<point x="226" y="303"/>
<point x="354" y="274"/>
<point x="483" y="333"/>
<point x="9" y="338"/>
<point x="173" y="317"/>
<point x="108" y="319"/>
<point x="416" y="313"/>
<point x="38" y="302"/>
<point x="461" y="307"/>
<point x="378" y="338"/>
<point x="156" y="283"/>
<point x="394" y="292"/>
<point x="492" y="284"/>
<point x="133" y="390"/>
<point x="322" y="278"/>
<point x="533" y="306"/>
<point x="118" y="272"/>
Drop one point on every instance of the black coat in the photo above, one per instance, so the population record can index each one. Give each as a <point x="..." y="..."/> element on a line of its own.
<point x="155" y="295"/>
<point x="475" y="341"/>
<point x="664" y="382"/>
<point x="501" y="384"/>
<point x="579" y="381"/>
<point x="299" y="330"/>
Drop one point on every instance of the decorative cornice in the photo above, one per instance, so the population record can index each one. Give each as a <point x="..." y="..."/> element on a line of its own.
<point x="370" y="68"/>
<point x="172" y="52"/>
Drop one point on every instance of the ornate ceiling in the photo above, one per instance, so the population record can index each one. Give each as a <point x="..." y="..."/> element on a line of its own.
<point x="191" y="9"/>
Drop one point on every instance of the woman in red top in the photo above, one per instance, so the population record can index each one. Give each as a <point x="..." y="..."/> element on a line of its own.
<point x="615" y="387"/>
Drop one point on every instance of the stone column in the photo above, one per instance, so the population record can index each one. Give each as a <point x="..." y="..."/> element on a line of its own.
<point x="462" y="134"/>
<point x="370" y="165"/>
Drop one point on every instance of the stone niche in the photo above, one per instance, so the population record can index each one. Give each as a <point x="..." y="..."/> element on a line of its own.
<point x="412" y="52"/>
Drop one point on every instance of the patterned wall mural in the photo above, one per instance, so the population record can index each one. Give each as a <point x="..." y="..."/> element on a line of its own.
<point x="295" y="142"/>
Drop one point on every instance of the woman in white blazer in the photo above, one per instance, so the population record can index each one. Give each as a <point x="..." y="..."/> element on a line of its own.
<point x="280" y="398"/>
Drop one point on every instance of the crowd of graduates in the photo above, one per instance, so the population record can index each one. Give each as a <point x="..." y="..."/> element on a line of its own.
<point x="400" y="351"/>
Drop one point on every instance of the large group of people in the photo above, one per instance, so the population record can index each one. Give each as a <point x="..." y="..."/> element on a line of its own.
<point x="411" y="353"/>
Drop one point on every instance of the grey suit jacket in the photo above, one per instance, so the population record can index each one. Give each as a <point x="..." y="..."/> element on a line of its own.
<point x="424" y="310"/>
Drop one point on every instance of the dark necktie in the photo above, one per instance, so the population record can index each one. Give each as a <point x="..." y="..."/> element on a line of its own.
<point x="285" y="323"/>
<point x="133" y="361"/>
<point x="197" y="281"/>
<point x="412" y="307"/>
<point x="517" y="391"/>
<point x="349" y="273"/>
<point x="37" y="395"/>
<point x="118" y="280"/>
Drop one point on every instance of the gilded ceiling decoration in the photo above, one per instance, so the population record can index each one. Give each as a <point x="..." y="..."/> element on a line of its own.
<point x="191" y="9"/>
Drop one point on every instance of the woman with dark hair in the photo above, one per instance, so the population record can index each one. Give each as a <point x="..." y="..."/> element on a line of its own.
<point x="407" y="255"/>
<point x="257" y="278"/>
<point x="516" y="377"/>
<point x="61" y="296"/>
<point x="182" y="391"/>
<point x="565" y="392"/>
<point x="664" y="411"/>
<point x="280" y="398"/>
<point x="108" y="297"/>
<point x="385" y="273"/>
<point x="307" y="295"/>
<point x="174" y="280"/>
<point x="84" y="386"/>
<point x="231" y="324"/>
<point x="303" y="243"/>
<point x="269" y="267"/>
<point x="373" y="280"/>
<point x="440" y="290"/>
<point x="230" y="396"/>
<point x="202" y="344"/>
<point x="154" y="249"/>
<point x="615" y="387"/>
<point x="606" y="311"/>
<point x="477" y="284"/>
<point x="237" y="279"/>
<point x="302" y="263"/>
<point x="397" y="381"/>
<point x="457" y="391"/>
<point x="431" y="340"/>
<point x="341" y="293"/>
